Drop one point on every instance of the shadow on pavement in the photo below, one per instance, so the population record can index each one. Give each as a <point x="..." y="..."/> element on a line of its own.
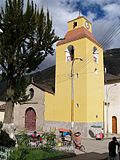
<point x="85" y="156"/>
<point x="65" y="156"/>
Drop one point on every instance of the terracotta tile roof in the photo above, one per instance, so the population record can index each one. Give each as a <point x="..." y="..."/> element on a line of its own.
<point x="77" y="34"/>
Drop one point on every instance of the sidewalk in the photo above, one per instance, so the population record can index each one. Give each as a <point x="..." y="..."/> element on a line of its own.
<point x="94" y="150"/>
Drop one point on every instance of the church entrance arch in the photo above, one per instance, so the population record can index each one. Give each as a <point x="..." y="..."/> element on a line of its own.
<point x="30" y="119"/>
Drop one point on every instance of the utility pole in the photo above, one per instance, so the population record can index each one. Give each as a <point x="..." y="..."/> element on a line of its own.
<point x="72" y="91"/>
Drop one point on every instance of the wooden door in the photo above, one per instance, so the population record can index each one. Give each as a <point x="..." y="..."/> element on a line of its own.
<point x="30" y="119"/>
<point x="114" y="124"/>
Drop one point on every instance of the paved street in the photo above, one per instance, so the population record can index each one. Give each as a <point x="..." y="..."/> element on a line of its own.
<point x="95" y="150"/>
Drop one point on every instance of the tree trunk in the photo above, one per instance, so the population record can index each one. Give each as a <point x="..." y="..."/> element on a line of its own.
<point x="8" y="116"/>
<point x="8" y="125"/>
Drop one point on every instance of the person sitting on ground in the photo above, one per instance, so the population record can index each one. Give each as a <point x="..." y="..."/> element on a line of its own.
<point x="112" y="148"/>
<point x="34" y="135"/>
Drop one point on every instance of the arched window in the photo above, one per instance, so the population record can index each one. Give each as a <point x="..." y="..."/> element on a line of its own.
<point x="31" y="93"/>
<point x="69" y="53"/>
<point x="74" y="24"/>
<point x="95" y="54"/>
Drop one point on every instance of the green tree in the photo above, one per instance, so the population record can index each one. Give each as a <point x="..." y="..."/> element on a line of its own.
<point x="27" y="38"/>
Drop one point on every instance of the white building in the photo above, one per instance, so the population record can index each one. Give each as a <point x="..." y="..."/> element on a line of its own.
<point x="112" y="104"/>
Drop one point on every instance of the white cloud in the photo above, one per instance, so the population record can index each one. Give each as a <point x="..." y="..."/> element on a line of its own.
<point x="61" y="15"/>
<point x="112" y="10"/>
<point x="62" y="12"/>
<point x="108" y="28"/>
<point x="91" y="16"/>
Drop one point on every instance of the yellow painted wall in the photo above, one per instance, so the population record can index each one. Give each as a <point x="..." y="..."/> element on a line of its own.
<point x="95" y="85"/>
<point x="88" y="86"/>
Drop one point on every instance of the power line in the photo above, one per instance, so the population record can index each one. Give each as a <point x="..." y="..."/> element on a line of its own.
<point x="110" y="29"/>
<point x="111" y="35"/>
<point x="115" y="35"/>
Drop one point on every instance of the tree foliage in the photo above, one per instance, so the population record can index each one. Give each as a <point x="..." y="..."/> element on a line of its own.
<point x="27" y="38"/>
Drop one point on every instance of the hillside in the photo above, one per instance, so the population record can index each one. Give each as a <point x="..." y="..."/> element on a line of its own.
<point x="112" y="61"/>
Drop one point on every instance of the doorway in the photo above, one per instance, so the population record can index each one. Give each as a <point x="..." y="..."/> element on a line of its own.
<point x="114" y="124"/>
<point x="30" y="119"/>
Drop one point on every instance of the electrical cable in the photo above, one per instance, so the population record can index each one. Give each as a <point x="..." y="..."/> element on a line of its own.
<point x="109" y="31"/>
<point x="111" y="35"/>
<point x="115" y="35"/>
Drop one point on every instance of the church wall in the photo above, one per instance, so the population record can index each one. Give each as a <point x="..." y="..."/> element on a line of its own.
<point x="37" y="103"/>
<point x="112" y="96"/>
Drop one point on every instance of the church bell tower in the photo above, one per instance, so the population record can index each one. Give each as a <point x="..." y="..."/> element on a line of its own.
<point x="79" y="59"/>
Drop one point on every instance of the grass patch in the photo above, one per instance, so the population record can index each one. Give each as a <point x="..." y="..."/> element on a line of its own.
<point x="22" y="153"/>
<point x="38" y="154"/>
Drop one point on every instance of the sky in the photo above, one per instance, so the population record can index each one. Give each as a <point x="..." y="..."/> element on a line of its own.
<point x="104" y="15"/>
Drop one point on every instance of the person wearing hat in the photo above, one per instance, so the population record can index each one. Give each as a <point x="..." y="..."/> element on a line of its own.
<point x="112" y="148"/>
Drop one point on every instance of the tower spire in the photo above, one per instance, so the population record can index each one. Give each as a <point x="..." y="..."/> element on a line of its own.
<point x="79" y="12"/>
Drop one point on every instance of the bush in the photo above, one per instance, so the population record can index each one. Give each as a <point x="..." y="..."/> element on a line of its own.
<point x="19" y="153"/>
<point x="23" y="140"/>
<point x="49" y="141"/>
<point x="22" y="151"/>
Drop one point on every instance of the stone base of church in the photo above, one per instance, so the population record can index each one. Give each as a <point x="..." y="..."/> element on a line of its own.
<point x="88" y="130"/>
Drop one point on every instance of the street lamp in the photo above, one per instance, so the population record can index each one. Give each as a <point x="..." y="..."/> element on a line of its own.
<point x="72" y="90"/>
<point x="70" y="57"/>
<point x="107" y="104"/>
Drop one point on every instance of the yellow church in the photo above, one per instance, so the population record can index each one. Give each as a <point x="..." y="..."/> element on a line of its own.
<point x="79" y="82"/>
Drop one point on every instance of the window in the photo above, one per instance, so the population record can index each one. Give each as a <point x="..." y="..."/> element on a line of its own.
<point x="69" y="53"/>
<point x="96" y="71"/>
<point x="31" y="93"/>
<point x="95" y="54"/>
<point x="74" y="24"/>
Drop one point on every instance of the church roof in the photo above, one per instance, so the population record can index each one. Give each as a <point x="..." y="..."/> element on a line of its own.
<point x="110" y="79"/>
<point x="45" y="80"/>
<point x="77" y="34"/>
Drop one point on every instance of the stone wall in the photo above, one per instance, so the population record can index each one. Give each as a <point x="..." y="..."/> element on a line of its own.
<point x="37" y="103"/>
<point x="88" y="130"/>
